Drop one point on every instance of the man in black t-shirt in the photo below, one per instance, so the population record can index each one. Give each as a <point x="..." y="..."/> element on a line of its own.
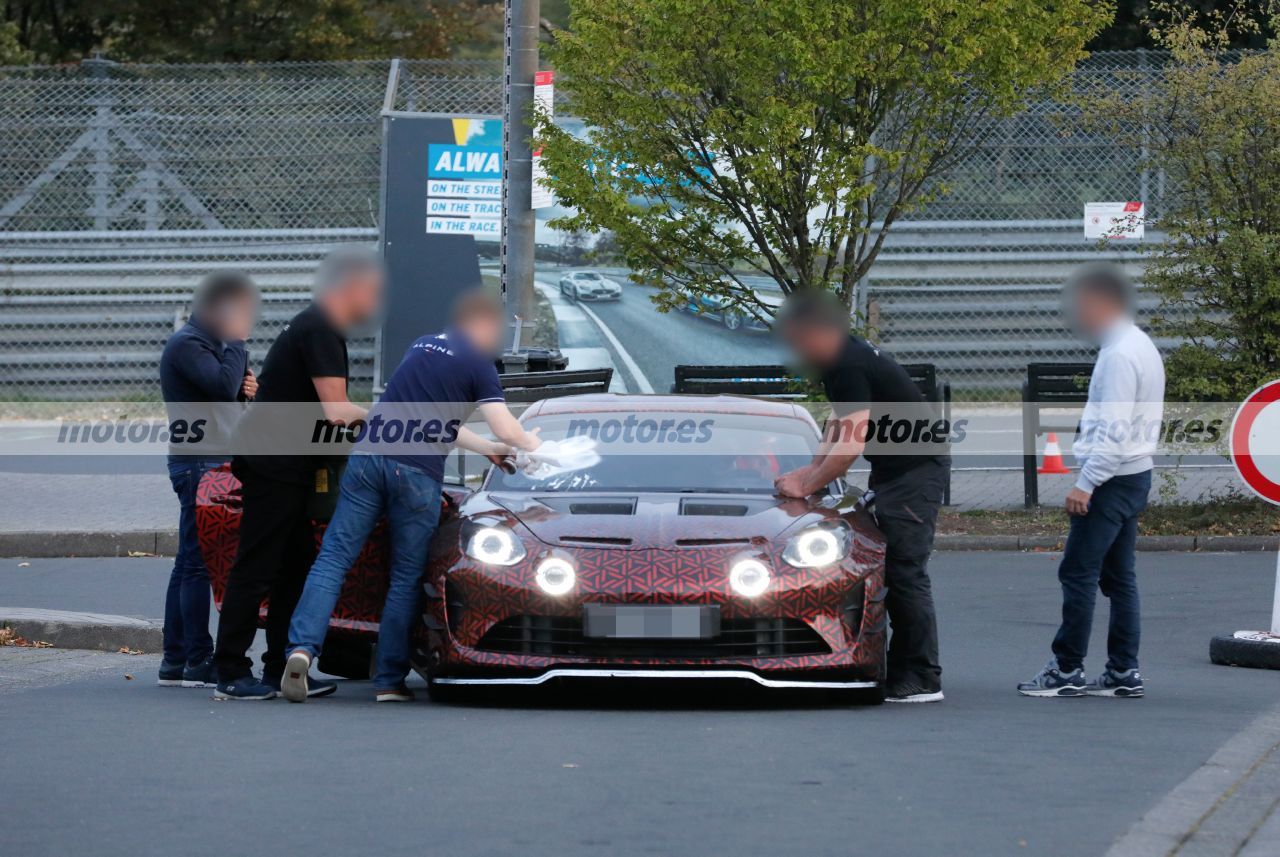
<point x="304" y="379"/>
<point x="879" y="413"/>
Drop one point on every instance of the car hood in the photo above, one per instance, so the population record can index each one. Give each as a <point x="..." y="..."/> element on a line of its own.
<point x="636" y="521"/>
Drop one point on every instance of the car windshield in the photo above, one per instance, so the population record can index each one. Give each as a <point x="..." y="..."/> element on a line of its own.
<point x="588" y="276"/>
<point x="688" y="452"/>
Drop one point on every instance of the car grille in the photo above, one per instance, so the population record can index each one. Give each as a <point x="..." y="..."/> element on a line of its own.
<point x="739" y="638"/>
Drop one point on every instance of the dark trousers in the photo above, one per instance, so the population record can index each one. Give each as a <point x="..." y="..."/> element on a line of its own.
<point x="277" y="547"/>
<point x="186" y="603"/>
<point x="1100" y="555"/>
<point x="906" y="510"/>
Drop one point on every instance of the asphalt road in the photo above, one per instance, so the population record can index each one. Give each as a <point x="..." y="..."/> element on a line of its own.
<point x="102" y="765"/>
<point x="658" y="342"/>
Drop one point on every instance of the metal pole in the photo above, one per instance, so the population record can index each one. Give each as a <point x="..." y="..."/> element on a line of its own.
<point x="1275" y="602"/>
<point x="521" y="63"/>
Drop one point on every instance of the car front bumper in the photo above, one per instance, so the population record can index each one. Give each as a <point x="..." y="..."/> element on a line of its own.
<point x="815" y="627"/>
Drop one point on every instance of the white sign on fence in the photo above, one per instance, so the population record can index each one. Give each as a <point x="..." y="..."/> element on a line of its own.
<point x="1116" y="221"/>
<point x="543" y="99"/>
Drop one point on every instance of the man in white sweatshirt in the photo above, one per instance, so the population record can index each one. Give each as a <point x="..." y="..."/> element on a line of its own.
<point x="1116" y="440"/>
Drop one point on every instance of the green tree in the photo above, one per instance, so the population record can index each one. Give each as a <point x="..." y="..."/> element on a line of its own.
<point x="1213" y="127"/>
<point x="11" y="50"/>
<point x="240" y="30"/>
<point x="783" y="138"/>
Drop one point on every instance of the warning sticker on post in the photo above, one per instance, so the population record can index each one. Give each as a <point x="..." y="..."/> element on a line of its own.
<point x="544" y="98"/>
<point x="1114" y="221"/>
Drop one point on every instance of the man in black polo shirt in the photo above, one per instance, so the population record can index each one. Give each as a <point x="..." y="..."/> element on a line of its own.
<point x="304" y="379"/>
<point x="876" y="411"/>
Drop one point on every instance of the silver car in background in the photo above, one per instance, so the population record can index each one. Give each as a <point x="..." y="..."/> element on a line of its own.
<point x="589" y="286"/>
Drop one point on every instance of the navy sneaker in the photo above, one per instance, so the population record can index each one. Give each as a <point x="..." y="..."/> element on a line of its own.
<point x="1052" y="681"/>
<point x="244" y="688"/>
<point x="1127" y="684"/>
<point x="297" y="684"/>
<point x="170" y="674"/>
<point x="201" y="675"/>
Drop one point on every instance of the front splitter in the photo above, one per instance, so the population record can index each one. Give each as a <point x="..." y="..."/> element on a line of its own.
<point x="735" y="675"/>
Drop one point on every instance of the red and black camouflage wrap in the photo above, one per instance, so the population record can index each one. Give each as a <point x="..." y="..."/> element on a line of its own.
<point x="667" y="559"/>
<point x="218" y="524"/>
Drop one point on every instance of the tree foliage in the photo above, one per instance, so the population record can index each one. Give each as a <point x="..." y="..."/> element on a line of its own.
<point x="1213" y="127"/>
<point x="240" y="30"/>
<point x="783" y="138"/>
<point x="11" y="50"/>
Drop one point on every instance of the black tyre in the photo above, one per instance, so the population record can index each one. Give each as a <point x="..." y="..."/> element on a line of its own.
<point x="858" y="696"/>
<point x="442" y="693"/>
<point x="1235" y="652"/>
<point x="732" y="320"/>
<point x="347" y="658"/>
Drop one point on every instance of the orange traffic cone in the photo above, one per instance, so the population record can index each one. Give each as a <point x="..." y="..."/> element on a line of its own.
<point x="1052" y="462"/>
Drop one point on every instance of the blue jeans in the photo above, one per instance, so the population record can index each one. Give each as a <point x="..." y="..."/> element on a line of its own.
<point x="186" y="603"/>
<point x="373" y="486"/>
<point x="1100" y="555"/>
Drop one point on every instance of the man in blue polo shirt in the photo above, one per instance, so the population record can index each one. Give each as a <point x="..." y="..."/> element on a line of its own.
<point x="396" y="470"/>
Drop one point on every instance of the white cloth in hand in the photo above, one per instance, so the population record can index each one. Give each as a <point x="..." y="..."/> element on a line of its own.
<point x="552" y="458"/>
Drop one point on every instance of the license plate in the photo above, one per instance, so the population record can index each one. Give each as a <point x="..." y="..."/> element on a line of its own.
<point x="652" y="622"/>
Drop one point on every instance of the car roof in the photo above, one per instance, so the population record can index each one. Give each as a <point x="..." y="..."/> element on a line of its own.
<point x="596" y="403"/>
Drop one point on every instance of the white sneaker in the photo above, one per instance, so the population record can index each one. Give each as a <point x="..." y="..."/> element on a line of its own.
<point x="293" y="684"/>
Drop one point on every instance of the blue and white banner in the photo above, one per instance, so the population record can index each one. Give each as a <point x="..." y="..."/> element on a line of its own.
<point x="490" y="227"/>
<point x="466" y="163"/>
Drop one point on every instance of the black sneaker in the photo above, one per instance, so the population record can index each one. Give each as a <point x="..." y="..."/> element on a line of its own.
<point x="170" y="674"/>
<point x="1052" y="681"/>
<point x="245" y="688"/>
<point x="1127" y="684"/>
<point x="201" y="675"/>
<point x="913" y="689"/>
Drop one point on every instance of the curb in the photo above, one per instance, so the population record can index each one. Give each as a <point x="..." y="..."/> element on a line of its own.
<point x="957" y="542"/>
<point x="165" y="543"/>
<point x="94" y="544"/>
<point x="99" y="631"/>
<point x="1225" y="807"/>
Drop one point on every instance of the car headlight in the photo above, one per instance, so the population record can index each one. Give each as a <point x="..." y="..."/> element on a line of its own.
<point x="555" y="575"/>
<point x="749" y="577"/>
<point x="494" y="544"/>
<point x="819" y="545"/>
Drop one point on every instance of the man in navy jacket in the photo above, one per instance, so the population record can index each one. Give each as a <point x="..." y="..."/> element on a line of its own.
<point x="204" y="361"/>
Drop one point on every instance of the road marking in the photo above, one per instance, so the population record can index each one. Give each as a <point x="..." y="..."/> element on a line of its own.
<point x="641" y="381"/>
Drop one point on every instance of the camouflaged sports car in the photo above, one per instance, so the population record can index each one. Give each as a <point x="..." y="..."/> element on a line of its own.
<point x="670" y="558"/>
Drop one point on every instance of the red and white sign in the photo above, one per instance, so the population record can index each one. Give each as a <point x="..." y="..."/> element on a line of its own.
<point x="1255" y="441"/>
<point x="1115" y="221"/>
<point x="544" y="95"/>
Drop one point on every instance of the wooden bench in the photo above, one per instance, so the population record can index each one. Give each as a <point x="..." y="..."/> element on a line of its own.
<point x="525" y="387"/>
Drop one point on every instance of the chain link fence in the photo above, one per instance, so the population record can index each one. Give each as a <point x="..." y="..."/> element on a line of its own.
<point x="120" y="185"/>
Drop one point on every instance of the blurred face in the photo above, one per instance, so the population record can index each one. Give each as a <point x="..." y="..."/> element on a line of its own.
<point x="362" y="296"/>
<point x="484" y="332"/>
<point x="1092" y="313"/>
<point x="815" y="344"/>
<point x="232" y="319"/>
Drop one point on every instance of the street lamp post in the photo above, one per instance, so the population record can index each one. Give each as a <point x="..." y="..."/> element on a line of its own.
<point x="520" y="63"/>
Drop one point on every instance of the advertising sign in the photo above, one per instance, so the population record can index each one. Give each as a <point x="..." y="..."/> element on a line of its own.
<point x="442" y="191"/>
<point x="544" y="100"/>
<point x="1115" y="221"/>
